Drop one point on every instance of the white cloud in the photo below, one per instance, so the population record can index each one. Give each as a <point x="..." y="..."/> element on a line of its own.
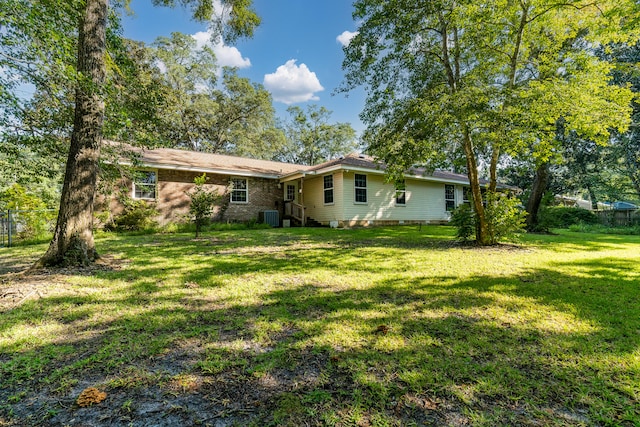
<point x="292" y="83"/>
<point x="161" y="66"/>
<point x="229" y="56"/>
<point x="202" y="38"/>
<point x="226" y="56"/>
<point x="345" y="38"/>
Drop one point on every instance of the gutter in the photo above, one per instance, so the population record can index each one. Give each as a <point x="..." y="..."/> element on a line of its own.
<point x="166" y="166"/>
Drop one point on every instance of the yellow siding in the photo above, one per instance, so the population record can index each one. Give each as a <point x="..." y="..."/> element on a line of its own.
<point x="424" y="201"/>
<point x="314" y="198"/>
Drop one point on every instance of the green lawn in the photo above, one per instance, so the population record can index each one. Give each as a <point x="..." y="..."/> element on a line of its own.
<point x="368" y="327"/>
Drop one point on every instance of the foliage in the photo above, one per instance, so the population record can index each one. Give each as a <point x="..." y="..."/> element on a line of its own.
<point x="56" y="70"/>
<point x="34" y="217"/>
<point x="625" y="148"/>
<point x="505" y="216"/>
<point x="564" y="217"/>
<point x="137" y="215"/>
<point x="396" y="324"/>
<point x="463" y="219"/>
<point x="190" y="227"/>
<point x="603" y="229"/>
<point x="137" y="95"/>
<point x="202" y="202"/>
<point x="596" y="171"/>
<point x="477" y="81"/>
<point x="37" y="62"/>
<point x="234" y="117"/>
<point x="311" y="139"/>
<point x="245" y="121"/>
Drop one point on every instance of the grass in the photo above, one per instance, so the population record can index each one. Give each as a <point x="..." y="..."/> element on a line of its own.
<point x="379" y="327"/>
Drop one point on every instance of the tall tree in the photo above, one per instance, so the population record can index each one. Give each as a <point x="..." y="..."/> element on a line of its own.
<point x="233" y="116"/>
<point x="73" y="238"/>
<point x="245" y="120"/>
<point x="626" y="146"/>
<point x="191" y="75"/>
<point x="37" y="51"/>
<point x="311" y="139"/>
<point x="483" y="78"/>
<point x="137" y="95"/>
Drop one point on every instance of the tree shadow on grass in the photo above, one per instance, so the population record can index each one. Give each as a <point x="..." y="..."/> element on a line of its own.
<point x="542" y="346"/>
<point x="551" y="345"/>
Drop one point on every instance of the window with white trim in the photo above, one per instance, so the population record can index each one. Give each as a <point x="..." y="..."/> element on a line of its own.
<point x="450" y="197"/>
<point x="401" y="193"/>
<point x="360" y="184"/>
<point x="328" y="189"/>
<point x="145" y="184"/>
<point x="239" y="190"/>
<point x="466" y="195"/>
<point x="291" y="192"/>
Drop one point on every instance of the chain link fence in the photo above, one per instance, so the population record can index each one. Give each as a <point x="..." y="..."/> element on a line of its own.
<point x="23" y="226"/>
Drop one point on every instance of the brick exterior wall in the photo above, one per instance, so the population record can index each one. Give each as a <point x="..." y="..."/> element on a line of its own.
<point x="264" y="194"/>
<point x="172" y="200"/>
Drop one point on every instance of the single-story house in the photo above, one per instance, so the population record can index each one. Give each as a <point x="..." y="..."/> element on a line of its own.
<point x="348" y="191"/>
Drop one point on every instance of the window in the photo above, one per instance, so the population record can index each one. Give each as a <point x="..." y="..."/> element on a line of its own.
<point x="361" y="188"/>
<point x="239" y="190"/>
<point x="144" y="185"/>
<point x="466" y="195"/>
<point x="401" y="192"/>
<point x="291" y="192"/>
<point x="449" y="197"/>
<point x="328" y="189"/>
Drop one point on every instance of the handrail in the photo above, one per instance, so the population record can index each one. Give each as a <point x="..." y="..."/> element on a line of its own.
<point x="294" y="210"/>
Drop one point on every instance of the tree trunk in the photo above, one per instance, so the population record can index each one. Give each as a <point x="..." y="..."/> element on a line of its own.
<point x="592" y="196"/>
<point x="483" y="236"/>
<point x="540" y="182"/>
<point x="73" y="238"/>
<point x="493" y="169"/>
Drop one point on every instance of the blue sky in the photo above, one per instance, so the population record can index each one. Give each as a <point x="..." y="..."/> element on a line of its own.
<point x="296" y="52"/>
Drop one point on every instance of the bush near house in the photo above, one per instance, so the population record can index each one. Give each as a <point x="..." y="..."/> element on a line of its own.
<point x="137" y="215"/>
<point x="462" y="218"/>
<point x="202" y="202"/>
<point x="504" y="216"/>
<point x="564" y="217"/>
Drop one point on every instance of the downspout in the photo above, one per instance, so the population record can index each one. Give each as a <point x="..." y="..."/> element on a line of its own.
<point x="304" y="215"/>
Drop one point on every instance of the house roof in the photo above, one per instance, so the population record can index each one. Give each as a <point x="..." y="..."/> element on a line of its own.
<point x="362" y="162"/>
<point x="621" y="206"/>
<point x="169" y="158"/>
<point x="174" y="159"/>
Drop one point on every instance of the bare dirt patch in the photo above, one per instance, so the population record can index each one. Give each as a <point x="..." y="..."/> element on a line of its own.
<point x="19" y="285"/>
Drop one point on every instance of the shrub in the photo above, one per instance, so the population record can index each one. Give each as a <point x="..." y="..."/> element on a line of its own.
<point x="505" y="216"/>
<point x="32" y="218"/>
<point x="564" y="217"/>
<point x="464" y="220"/>
<point x="602" y="229"/>
<point x="202" y="202"/>
<point x="137" y="216"/>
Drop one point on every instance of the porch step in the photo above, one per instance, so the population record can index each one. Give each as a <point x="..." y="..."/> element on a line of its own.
<point x="295" y="222"/>
<point x="312" y="223"/>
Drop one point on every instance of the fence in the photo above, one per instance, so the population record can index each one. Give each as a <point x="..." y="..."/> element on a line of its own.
<point x="17" y="226"/>
<point x="619" y="218"/>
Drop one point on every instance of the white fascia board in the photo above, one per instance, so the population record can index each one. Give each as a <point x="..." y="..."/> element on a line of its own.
<point x="348" y="168"/>
<point x="293" y="176"/>
<point x="434" y="179"/>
